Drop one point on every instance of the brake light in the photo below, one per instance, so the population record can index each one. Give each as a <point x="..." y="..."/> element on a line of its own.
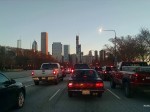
<point x="72" y="70"/>
<point x="134" y="77"/>
<point x="54" y="72"/>
<point x="70" y="85"/>
<point x="32" y="73"/>
<point x="99" y="85"/>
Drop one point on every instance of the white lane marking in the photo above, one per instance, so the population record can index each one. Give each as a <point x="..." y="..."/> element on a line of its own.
<point x="54" y="95"/>
<point x="114" y="94"/>
<point x="29" y="85"/>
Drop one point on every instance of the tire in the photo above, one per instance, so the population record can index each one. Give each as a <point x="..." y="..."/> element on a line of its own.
<point x="20" y="99"/>
<point x="70" y="94"/>
<point x="36" y="82"/>
<point x="56" y="81"/>
<point x="112" y="84"/>
<point x="99" y="94"/>
<point x="128" y="92"/>
<point x="62" y="78"/>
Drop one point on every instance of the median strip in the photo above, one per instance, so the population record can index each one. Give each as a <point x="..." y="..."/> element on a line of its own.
<point x="114" y="94"/>
<point x="54" y="95"/>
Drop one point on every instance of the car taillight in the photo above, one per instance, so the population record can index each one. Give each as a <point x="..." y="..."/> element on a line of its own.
<point x="32" y="73"/>
<point x="70" y="84"/>
<point x="72" y="70"/>
<point x="54" y="72"/>
<point x="99" y="85"/>
<point x="134" y="77"/>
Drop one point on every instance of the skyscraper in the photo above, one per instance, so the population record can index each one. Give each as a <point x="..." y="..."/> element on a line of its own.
<point x="77" y="44"/>
<point x="96" y="55"/>
<point x="44" y="43"/>
<point x="19" y="43"/>
<point x="34" y="46"/>
<point x="102" y="55"/>
<point x="66" y="53"/>
<point x="78" y="50"/>
<point x="57" y="51"/>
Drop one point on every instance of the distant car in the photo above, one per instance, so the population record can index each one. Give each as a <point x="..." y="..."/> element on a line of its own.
<point x="106" y="71"/>
<point x="99" y="70"/>
<point x="63" y="71"/>
<point x="67" y="70"/>
<point x="12" y="93"/>
<point x="85" y="82"/>
<point x="81" y="66"/>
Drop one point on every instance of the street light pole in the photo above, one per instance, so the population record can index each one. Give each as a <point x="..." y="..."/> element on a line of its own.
<point x="115" y="60"/>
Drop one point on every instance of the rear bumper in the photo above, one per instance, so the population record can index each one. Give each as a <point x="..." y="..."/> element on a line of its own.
<point x="141" y="86"/>
<point x="80" y="91"/>
<point x="45" y="79"/>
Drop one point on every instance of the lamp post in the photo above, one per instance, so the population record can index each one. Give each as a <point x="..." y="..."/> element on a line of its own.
<point x="115" y="60"/>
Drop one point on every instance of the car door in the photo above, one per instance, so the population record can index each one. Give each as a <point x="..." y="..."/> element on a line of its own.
<point x="7" y="93"/>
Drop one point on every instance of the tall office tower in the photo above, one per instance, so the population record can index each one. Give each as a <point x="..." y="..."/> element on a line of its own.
<point x="102" y="55"/>
<point x="34" y="46"/>
<point x="44" y="43"/>
<point x="19" y="43"/>
<point x="78" y="50"/>
<point x="57" y="51"/>
<point x="96" y="55"/>
<point x="77" y="44"/>
<point x="66" y="53"/>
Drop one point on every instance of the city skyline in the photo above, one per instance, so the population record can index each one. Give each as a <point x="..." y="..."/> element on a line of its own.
<point x="63" y="20"/>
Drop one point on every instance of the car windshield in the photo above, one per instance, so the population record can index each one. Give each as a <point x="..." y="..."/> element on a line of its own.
<point x="81" y="66"/>
<point x="80" y="74"/>
<point x="49" y="66"/>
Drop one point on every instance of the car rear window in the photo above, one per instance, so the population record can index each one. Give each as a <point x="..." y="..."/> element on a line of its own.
<point x="134" y="64"/>
<point x="81" y="66"/>
<point x="84" y="74"/>
<point x="49" y="66"/>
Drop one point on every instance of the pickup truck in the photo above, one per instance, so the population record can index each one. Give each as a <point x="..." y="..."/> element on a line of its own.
<point x="132" y="76"/>
<point x="48" y="72"/>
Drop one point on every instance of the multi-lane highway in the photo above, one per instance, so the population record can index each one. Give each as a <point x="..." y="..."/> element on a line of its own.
<point x="54" y="98"/>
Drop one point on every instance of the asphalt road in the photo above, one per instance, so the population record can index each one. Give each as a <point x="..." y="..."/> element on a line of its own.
<point x="54" y="98"/>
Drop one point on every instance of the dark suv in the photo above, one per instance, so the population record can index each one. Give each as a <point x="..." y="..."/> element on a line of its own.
<point x="106" y="71"/>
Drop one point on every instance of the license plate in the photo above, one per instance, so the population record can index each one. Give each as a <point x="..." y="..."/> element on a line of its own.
<point x="85" y="92"/>
<point x="43" y="78"/>
<point x="35" y="78"/>
<point x="147" y="77"/>
<point x="50" y="78"/>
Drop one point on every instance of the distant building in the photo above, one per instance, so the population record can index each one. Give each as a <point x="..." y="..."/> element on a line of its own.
<point x="57" y="51"/>
<point x="96" y="55"/>
<point x="18" y="43"/>
<point x="73" y="59"/>
<point x="66" y="53"/>
<point x="44" y="43"/>
<point x="78" y="50"/>
<point x="102" y="54"/>
<point x="34" y="46"/>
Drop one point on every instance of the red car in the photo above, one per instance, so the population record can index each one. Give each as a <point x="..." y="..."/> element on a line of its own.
<point x="85" y="82"/>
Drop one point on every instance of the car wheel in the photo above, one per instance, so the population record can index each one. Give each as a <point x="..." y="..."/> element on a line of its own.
<point x="36" y="82"/>
<point x="20" y="99"/>
<point x="56" y="81"/>
<point x="62" y="78"/>
<point x="99" y="94"/>
<point x="112" y="84"/>
<point x="70" y="94"/>
<point x="128" y="92"/>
